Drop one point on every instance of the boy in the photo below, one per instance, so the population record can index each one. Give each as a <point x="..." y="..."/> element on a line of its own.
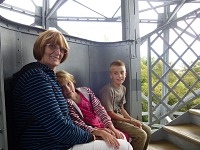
<point x="113" y="99"/>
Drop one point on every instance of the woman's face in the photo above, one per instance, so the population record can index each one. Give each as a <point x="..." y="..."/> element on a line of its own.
<point x="53" y="55"/>
<point x="68" y="89"/>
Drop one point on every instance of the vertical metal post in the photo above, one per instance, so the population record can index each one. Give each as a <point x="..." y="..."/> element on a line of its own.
<point x="150" y="111"/>
<point x="130" y="31"/>
<point x="3" y="129"/>
<point x="165" y="68"/>
<point x="44" y="9"/>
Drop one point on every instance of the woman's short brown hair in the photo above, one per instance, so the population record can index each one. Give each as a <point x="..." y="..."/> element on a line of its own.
<point x="46" y="37"/>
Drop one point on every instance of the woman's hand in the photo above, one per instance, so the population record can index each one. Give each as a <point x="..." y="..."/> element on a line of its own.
<point x="109" y="131"/>
<point x="118" y="134"/>
<point x="110" y="139"/>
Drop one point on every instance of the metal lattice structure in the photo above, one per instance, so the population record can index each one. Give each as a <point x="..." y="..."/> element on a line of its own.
<point x="184" y="43"/>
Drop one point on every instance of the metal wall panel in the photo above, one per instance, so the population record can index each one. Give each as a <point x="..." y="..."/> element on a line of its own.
<point x="17" y="51"/>
<point x="101" y="57"/>
<point x="77" y="63"/>
<point x="3" y="129"/>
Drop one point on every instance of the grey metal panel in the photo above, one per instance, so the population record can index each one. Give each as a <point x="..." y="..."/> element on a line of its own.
<point x="27" y="41"/>
<point x="77" y="63"/>
<point x="9" y="57"/>
<point x="17" y="51"/>
<point x="101" y="57"/>
<point x="3" y="129"/>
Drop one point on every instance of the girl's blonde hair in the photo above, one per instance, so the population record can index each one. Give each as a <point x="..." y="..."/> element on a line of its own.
<point x="63" y="76"/>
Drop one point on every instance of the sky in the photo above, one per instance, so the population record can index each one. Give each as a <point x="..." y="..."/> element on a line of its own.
<point x="103" y="32"/>
<point x="87" y="30"/>
<point x="90" y="30"/>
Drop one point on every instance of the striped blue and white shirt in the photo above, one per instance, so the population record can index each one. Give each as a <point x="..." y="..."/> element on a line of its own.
<point x="38" y="97"/>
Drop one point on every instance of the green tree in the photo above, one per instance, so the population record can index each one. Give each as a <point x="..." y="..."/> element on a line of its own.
<point x="178" y="81"/>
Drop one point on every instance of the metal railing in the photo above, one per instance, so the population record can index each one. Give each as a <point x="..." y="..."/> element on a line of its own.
<point x="173" y="44"/>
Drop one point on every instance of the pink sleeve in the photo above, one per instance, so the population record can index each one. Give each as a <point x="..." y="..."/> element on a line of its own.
<point x="99" y="109"/>
<point x="76" y="119"/>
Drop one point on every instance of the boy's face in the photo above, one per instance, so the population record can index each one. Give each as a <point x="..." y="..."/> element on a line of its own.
<point x="117" y="75"/>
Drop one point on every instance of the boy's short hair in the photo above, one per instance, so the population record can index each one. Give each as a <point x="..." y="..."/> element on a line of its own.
<point x="63" y="76"/>
<point x="117" y="63"/>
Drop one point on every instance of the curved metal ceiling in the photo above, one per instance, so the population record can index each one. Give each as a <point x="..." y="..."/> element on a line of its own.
<point x="82" y="14"/>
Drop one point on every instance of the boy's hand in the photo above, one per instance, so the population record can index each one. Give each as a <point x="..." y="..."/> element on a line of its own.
<point x="136" y="123"/>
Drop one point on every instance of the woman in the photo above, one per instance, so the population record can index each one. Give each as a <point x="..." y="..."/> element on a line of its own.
<point x="86" y="110"/>
<point x="42" y="121"/>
